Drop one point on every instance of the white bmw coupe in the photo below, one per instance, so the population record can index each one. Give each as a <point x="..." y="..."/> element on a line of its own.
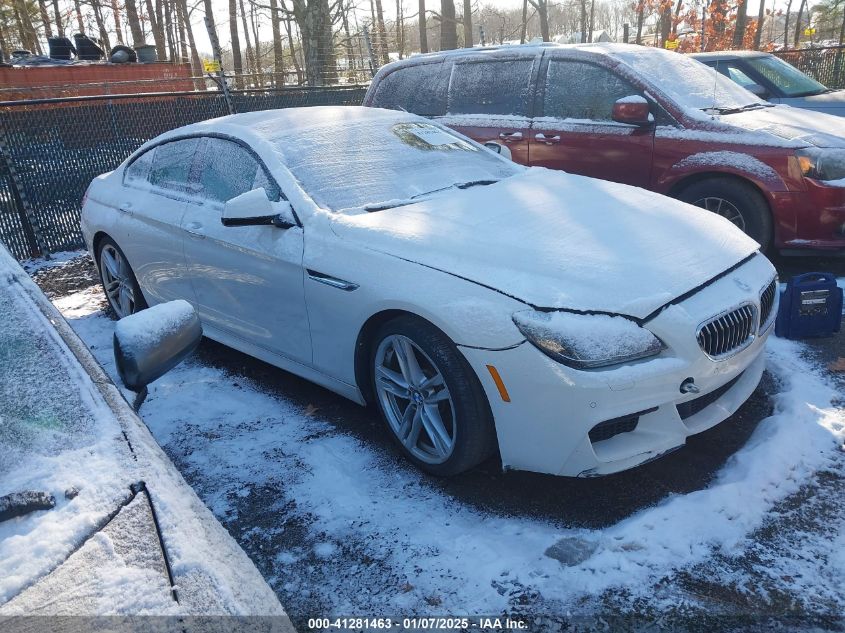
<point x="579" y="326"/>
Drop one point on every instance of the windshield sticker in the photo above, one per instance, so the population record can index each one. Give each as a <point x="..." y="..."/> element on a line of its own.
<point x="429" y="137"/>
<point x="433" y="136"/>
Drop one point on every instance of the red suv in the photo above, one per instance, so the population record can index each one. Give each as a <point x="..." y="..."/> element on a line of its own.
<point x="645" y="117"/>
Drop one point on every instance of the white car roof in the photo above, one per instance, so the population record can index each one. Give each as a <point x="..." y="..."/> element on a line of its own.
<point x="266" y="123"/>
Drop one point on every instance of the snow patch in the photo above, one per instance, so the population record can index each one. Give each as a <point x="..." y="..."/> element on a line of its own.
<point x="734" y="160"/>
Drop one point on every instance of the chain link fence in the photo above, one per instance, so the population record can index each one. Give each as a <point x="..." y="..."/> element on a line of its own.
<point x="824" y="64"/>
<point x="51" y="149"/>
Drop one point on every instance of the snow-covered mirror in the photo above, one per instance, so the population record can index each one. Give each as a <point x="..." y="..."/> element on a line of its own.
<point x="252" y="204"/>
<point x="633" y="110"/>
<point x="499" y="149"/>
<point x="150" y="343"/>
<point x="253" y="208"/>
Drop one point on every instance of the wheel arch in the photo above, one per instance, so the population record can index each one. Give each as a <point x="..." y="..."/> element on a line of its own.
<point x="690" y="179"/>
<point x="95" y="245"/>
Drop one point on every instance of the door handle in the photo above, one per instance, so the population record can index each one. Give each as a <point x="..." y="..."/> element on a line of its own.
<point x="547" y="139"/>
<point x="509" y="137"/>
<point x="125" y="207"/>
<point x="195" y="230"/>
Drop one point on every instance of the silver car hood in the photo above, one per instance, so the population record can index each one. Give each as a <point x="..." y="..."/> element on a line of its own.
<point x="792" y="124"/>
<point x="829" y="102"/>
<point x="556" y="240"/>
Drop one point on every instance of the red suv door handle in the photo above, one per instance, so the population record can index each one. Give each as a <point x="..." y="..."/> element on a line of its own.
<point x="509" y="137"/>
<point x="548" y="140"/>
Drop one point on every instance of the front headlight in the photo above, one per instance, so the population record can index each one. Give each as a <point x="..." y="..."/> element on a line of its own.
<point x="822" y="164"/>
<point x="585" y="341"/>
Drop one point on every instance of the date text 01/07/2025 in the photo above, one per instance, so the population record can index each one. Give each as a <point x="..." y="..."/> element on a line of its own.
<point x="417" y="623"/>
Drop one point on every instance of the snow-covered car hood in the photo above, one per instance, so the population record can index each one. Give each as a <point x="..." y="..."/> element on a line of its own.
<point x="557" y="240"/>
<point x="829" y="102"/>
<point x="792" y="124"/>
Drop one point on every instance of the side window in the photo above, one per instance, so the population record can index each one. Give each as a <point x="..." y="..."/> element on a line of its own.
<point x="579" y="90"/>
<point x="491" y="87"/>
<point x="419" y="89"/>
<point x="171" y="165"/>
<point x="228" y="170"/>
<point x="136" y="174"/>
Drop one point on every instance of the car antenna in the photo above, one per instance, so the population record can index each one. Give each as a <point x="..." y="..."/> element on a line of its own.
<point x="715" y="80"/>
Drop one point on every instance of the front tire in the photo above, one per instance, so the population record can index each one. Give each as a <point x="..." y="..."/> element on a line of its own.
<point x="118" y="279"/>
<point x="739" y="202"/>
<point x="429" y="397"/>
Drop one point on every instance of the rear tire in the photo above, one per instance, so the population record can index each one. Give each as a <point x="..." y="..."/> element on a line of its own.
<point x="429" y="397"/>
<point x="119" y="283"/>
<point x="738" y="201"/>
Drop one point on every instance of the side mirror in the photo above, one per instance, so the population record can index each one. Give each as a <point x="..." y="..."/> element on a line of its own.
<point x="758" y="91"/>
<point x="254" y="209"/>
<point x="633" y="110"/>
<point x="150" y="343"/>
<point x="493" y="146"/>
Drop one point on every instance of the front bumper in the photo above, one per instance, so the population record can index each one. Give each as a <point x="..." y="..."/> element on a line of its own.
<point x="545" y="427"/>
<point x="811" y="220"/>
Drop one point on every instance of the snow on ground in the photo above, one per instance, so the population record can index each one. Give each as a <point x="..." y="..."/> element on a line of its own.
<point x="56" y="259"/>
<point x="422" y="551"/>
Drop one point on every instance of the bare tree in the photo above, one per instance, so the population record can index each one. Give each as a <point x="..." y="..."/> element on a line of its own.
<point x="741" y="22"/>
<point x="45" y="18"/>
<point x="251" y="58"/>
<point x="422" y="27"/>
<point x="134" y="23"/>
<point x="467" y="23"/>
<point x="278" y="48"/>
<point x="237" y="61"/>
<point x="448" y="26"/>
<point x="400" y="29"/>
<point x="296" y="65"/>
<point x="758" y="35"/>
<point x="157" y="29"/>
<point x="381" y="34"/>
<point x="522" y="31"/>
<point x="185" y="18"/>
<point x="60" y="29"/>
<point x="786" y="25"/>
<point x="28" y="35"/>
<point x="798" y="23"/>
<point x="79" y="21"/>
<point x="118" y="28"/>
<point x="97" y="9"/>
<point x="640" y="20"/>
<point x="583" y="21"/>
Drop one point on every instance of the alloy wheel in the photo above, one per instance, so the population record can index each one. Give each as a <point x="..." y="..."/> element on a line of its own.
<point x="723" y="207"/>
<point x="415" y="399"/>
<point x="117" y="281"/>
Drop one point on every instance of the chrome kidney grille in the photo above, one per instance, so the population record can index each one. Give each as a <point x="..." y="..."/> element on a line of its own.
<point x="767" y="302"/>
<point x="729" y="333"/>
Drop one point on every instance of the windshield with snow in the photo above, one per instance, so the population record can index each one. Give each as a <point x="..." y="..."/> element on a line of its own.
<point x="370" y="165"/>
<point x="791" y="81"/>
<point x="688" y="82"/>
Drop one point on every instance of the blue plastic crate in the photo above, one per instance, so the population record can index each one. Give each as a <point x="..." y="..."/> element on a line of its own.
<point x="811" y="306"/>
